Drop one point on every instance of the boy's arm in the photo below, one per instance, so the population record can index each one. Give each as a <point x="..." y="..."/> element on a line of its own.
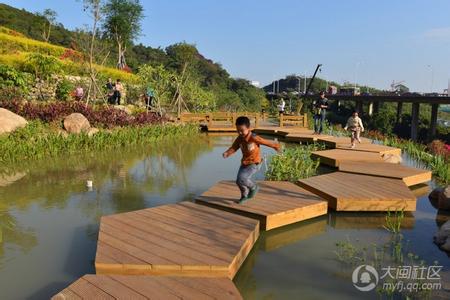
<point x="261" y="141"/>
<point x="361" y="125"/>
<point x="232" y="149"/>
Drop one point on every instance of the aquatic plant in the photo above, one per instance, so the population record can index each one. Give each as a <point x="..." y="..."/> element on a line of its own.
<point x="394" y="221"/>
<point x="38" y="140"/>
<point x="293" y="163"/>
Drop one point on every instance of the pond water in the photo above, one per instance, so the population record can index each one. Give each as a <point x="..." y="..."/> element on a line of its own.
<point x="49" y="222"/>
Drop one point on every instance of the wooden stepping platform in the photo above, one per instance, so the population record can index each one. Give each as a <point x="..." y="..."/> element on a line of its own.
<point x="302" y="137"/>
<point x="183" y="239"/>
<point x="334" y="141"/>
<point x="221" y="129"/>
<point x="410" y="176"/>
<point x="148" y="287"/>
<point x="276" y="204"/>
<point x="355" y="192"/>
<point x="334" y="157"/>
<point x="376" y="148"/>
<point x="366" y="220"/>
<point x="294" y="233"/>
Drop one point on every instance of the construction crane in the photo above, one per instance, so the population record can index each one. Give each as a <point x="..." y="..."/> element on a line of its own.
<point x="396" y="84"/>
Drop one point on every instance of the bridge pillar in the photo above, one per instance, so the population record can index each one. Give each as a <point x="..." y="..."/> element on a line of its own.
<point x="376" y="107"/>
<point x="433" y="121"/>
<point x="399" y="112"/>
<point x="359" y="107"/>
<point x="370" y="110"/>
<point x="414" y="120"/>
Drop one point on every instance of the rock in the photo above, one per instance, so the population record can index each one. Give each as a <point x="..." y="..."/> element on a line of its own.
<point x="9" y="121"/>
<point x="392" y="158"/>
<point x="440" y="198"/>
<point x="442" y="237"/>
<point x="76" y="123"/>
<point x="124" y="108"/>
<point x="92" y="131"/>
<point x="63" y="133"/>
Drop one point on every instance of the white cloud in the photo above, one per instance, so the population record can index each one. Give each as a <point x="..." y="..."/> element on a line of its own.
<point x="438" y="33"/>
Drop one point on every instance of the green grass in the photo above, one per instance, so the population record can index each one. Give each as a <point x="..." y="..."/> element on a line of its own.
<point x="38" y="140"/>
<point x="293" y="163"/>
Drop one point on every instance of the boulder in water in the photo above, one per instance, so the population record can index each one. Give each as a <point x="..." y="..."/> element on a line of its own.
<point x="440" y="198"/>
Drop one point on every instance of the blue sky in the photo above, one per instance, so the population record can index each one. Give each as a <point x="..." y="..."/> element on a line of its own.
<point x="372" y="41"/>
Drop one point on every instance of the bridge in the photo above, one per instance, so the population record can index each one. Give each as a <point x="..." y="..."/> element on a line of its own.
<point x="373" y="104"/>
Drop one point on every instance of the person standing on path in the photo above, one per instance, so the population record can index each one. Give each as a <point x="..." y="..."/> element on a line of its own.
<point x="118" y="90"/>
<point x="249" y="143"/>
<point x="110" y="91"/>
<point x="320" y="110"/>
<point x="281" y="106"/>
<point x="355" y="126"/>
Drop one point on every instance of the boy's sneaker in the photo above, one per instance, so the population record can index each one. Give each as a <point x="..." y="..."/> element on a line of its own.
<point x="352" y="146"/>
<point x="242" y="200"/>
<point x="253" y="192"/>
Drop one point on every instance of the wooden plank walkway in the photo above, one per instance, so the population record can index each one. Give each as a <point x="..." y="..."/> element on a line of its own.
<point x="355" y="192"/>
<point x="302" y="137"/>
<point x="410" y="176"/>
<point x="334" y="157"/>
<point x="334" y="141"/>
<point x="183" y="239"/>
<point x="148" y="287"/>
<point x="277" y="203"/>
<point x="376" y="148"/>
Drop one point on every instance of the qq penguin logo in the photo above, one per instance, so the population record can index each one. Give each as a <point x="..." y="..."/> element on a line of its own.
<point x="365" y="278"/>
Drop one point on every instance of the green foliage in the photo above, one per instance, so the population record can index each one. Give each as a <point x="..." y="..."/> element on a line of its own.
<point x="43" y="66"/>
<point x="64" y="90"/>
<point x="293" y="164"/>
<point x="38" y="140"/>
<point x="10" y="77"/>
<point x="384" y="120"/>
<point x="122" y="24"/>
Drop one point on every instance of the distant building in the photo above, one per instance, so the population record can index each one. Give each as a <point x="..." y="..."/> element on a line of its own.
<point x="255" y="83"/>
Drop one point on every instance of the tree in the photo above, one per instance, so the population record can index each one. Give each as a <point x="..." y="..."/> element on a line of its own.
<point x="122" y="25"/>
<point x="49" y="16"/>
<point x="90" y="48"/>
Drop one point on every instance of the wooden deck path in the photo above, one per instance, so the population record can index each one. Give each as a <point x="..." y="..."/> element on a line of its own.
<point x="148" y="287"/>
<point x="334" y="141"/>
<point x="355" y="192"/>
<point x="302" y="137"/>
<point x="277" y="203"/>
<point x="183" y="239"/>
<point x="334" y="157"/>
<point x="375" y="148"/>
<point x="410" y="176"/>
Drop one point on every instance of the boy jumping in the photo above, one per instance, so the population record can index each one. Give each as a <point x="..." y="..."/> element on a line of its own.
<point x="251" y="157"/>
<point x="355" y="125"/>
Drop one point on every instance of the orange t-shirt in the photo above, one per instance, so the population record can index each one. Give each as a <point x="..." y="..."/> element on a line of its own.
<point x="250" y="145"/>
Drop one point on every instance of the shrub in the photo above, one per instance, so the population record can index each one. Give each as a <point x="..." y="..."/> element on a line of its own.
<point x="11" y="77"/>
<point x="105" y="116"/>
<point x="64" y="90"/>
<point x="10" y="43"/>
<point x="43" y="66"/>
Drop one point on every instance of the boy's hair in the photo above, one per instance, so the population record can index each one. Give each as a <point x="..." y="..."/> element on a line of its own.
<point x="355" y="112"/>
<point x="322" y="93"/>
<point x="243" y="121"/>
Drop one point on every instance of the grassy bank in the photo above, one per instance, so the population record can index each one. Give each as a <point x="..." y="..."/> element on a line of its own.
<point x="39" y="140"/>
